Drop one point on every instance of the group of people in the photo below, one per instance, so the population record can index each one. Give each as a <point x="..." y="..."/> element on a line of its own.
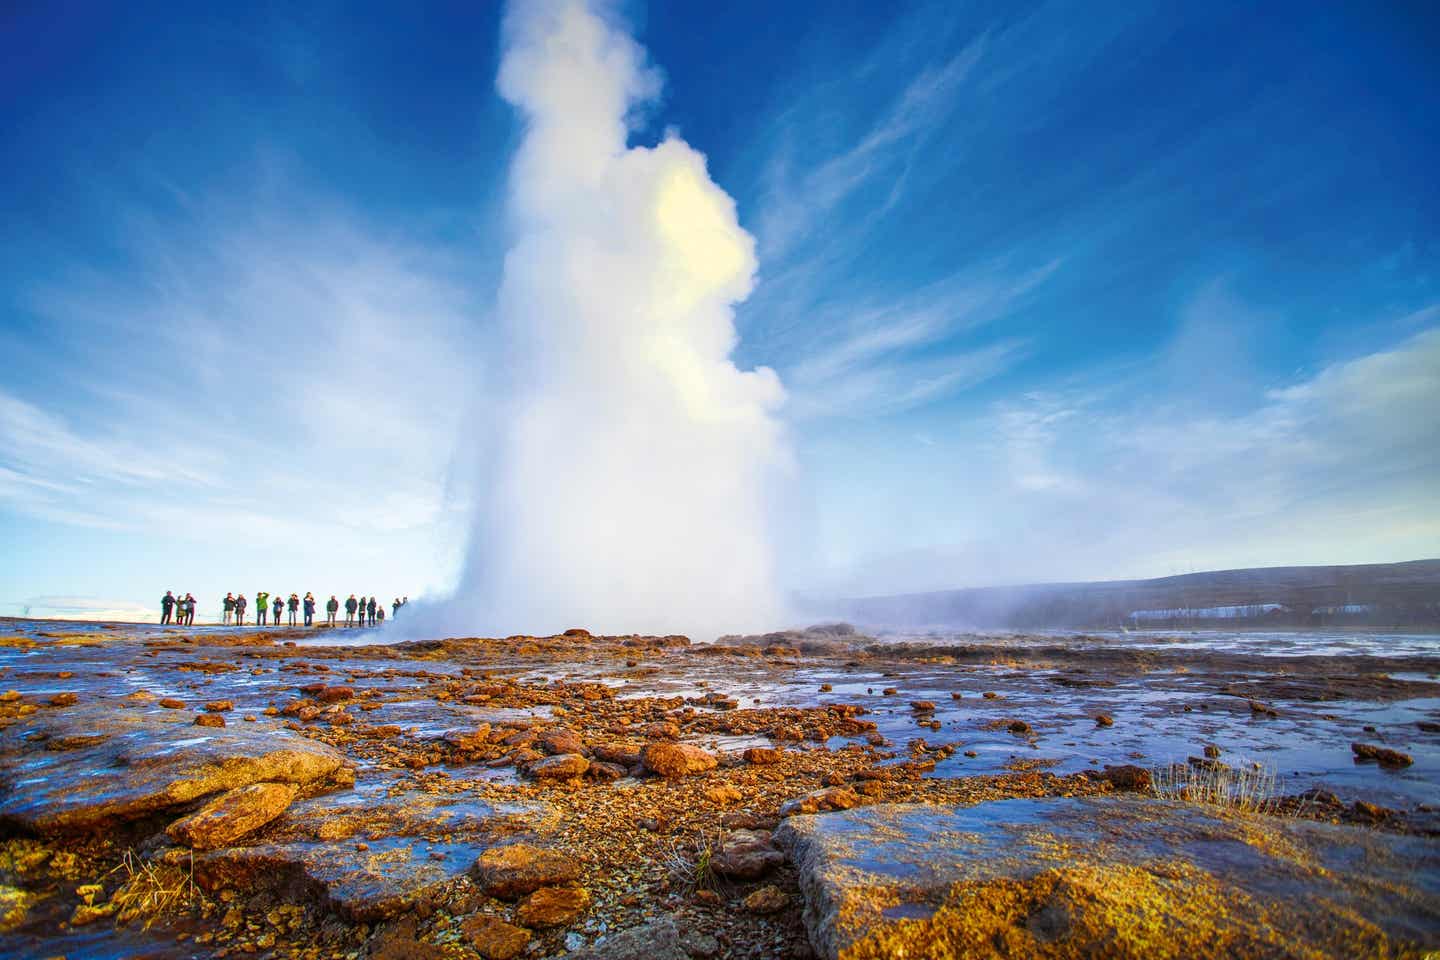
<point x="270" y="609"/>
<point x="367" y="612"/>
<point x="177" y="609"/>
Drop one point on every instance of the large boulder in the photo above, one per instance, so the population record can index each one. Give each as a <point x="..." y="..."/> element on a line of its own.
<point x="1107" y="876"/>
<point x="676" y="759"/>
<point x="125" y="763"/>
<point x="515" y="869"/>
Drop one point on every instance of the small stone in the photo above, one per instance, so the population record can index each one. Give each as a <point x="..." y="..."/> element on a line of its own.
<point x="335" y="694"/>
<point x="219" y="706"/>
<point x="746" y="855"/>
<point x="922" y="706"/>
<point x="768" y="899"/>
<point x="762" y="755"/>
<point x="1019" y="727"/>
<point x="826" y="688"/>
<point x="1127" y="777"/>
<point x="1104" y="720"/>
<point x="64" y="699"/>
<point x="662" y="731"/>
<point x="1384" y="756"/>
<point x="170" y="703"/>
<point x="834" y="798"/>
<point x="990" y="695"/>
<point x="209" y="720"/>
<point x="723" y="795"/>
<point x="553" y="906"/>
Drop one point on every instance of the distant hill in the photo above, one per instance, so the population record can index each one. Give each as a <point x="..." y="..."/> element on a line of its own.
<point x="1373" y="594"/>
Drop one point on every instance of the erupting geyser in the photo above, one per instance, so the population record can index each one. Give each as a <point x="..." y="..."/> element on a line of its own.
<point x="634" y="464"/>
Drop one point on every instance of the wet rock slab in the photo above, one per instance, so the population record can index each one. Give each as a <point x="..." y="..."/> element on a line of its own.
<point x="1107" y="876"/>
<point x="381" y="880"/>
<point x="113" y="764"/>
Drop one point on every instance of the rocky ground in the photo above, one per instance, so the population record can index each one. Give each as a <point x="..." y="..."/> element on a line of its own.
<point x="219" y="794"/>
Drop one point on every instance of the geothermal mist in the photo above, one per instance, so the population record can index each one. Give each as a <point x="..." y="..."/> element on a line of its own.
<point x="634" y="464"/>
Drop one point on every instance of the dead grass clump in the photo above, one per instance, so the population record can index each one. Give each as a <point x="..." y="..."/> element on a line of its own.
<point x="148" y="890"/>
<point x="1249" y="786"/>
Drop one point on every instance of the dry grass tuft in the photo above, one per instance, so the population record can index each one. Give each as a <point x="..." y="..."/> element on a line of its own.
<point x="1249" y="786"/>
<point x="150" y="890"/>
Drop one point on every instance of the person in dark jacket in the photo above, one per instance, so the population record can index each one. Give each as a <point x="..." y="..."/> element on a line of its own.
<point x="189" y="609"/>
<point x="395" y="609"/>
<point x="278" y="606"/>
<point x="331" y="606"/>
<point x="240" y="604"/>
<point x="167" y="606"/>
<point x="370" y="608"/>
<point x="309" y="609"/>
<point x="350" y="607"/>
<point x="294" y="604"/>
<point x="229" y="607"/>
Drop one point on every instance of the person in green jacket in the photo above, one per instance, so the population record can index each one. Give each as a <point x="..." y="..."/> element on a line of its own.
<point x="262" y="607"/>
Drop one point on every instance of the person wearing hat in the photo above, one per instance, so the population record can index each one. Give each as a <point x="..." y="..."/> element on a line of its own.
<point x="279" y="605"/>
<point x="294" y="604"/>
<point x="262" y="608"/>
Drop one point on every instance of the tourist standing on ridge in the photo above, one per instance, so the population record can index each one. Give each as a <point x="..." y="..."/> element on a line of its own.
<point x="229" y="607"/>
<point x="350" y="605"/>
<point x="279" y="606"/>
<point x="167" y="605"/>
<point x="262" y="608"/>
<point x="370" y="607"/>
<point x="189" y="609"/>
<point x="395" y="608"/>
<point x="380" y="614"/>
<point x="309" y="609"/>
<point x="240" y="604"/>
<point x="294" y="604"/>
<point x="331" y="606"/>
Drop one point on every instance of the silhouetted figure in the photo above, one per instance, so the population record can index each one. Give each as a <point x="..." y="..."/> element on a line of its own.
<point x="279" y="606"/>
<point x="309" y="609"/>
<point x="331" y="606"/>
<point x="262" y="608"/>
<point x="167" y="607"/>
<point x="370" y="607"/>
<point x="189" y="609"/>
<point x="229" y="607"/>
<point x="294" y="604"/>
<point x="350" y="606"/>
<point x="240" y="604"/>
<point x="395" y="608"/>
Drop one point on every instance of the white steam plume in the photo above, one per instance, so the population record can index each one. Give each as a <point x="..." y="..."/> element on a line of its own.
<point x="635" y="462"/>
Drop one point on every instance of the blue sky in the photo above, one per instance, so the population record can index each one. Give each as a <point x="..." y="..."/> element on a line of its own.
<point x="1054" y="295"/>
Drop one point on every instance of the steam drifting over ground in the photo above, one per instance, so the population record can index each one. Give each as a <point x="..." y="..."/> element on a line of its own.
<point x="633" y="461"/>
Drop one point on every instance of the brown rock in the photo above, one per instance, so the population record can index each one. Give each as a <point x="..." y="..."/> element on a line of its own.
<point x="467" y="741"/>
<point x="1212" y="751"/>
<point x="617" y="753"/>
<point x="513" y="870"/>
<point x="232" y="815"/>
<point x="676" y="759"/>
<point x="1127" y="777"/>
<point x="723" y="795"/>
<point x="553" y="906"/>
<point x="1104" y="720"/>
<point x="746" y="855"/>
<point x="493" y="938"/>
<point x="1393" y="759"/>
<point x="662" y="731"/>
<point x="561" y="766"/>
<point x="763" y="755"/>
<point x="209" y="720"/>
<point x="768" y="899"/>
<point x="170" y="703"/>
<point x="922" y="706"/>
<point x="335" y="694"/>
<point x="561" y="741"/>
<point x="1019" y="727"/>
<point x="219" y="706"/>
<point x="833" y="798"/>
<point x="64" y="699"/>
<point x="605" y="772"/>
